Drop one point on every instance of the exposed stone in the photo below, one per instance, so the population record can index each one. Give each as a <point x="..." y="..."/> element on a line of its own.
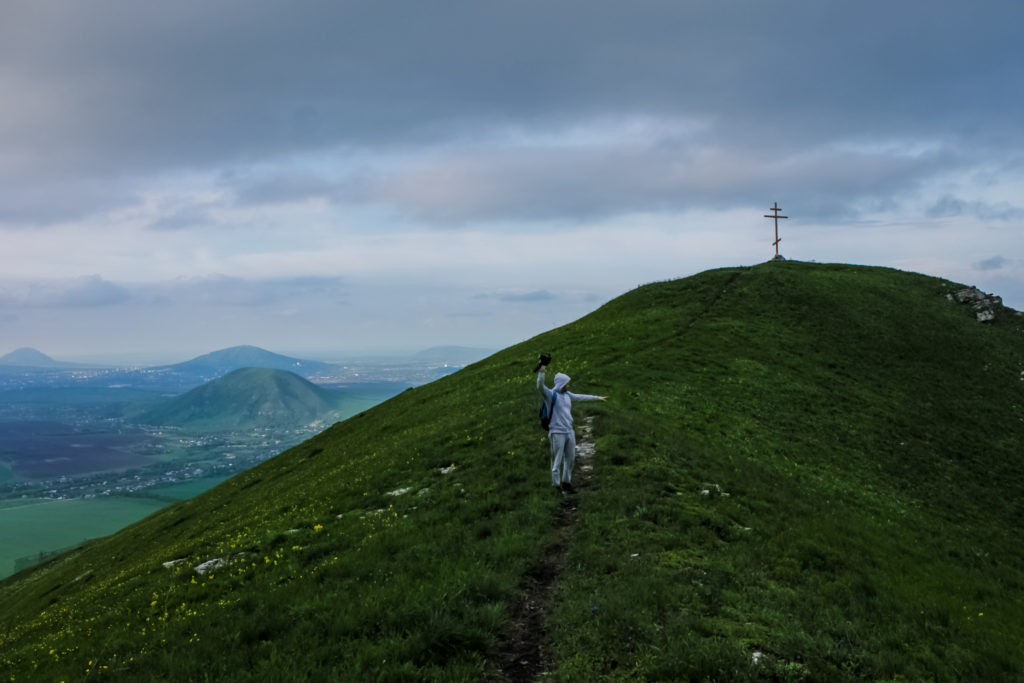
<point x="985" y="305"/>
<point x="210" y="565"/>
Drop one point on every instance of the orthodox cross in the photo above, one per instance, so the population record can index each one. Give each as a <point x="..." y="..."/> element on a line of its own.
<point x="775" y="214"/>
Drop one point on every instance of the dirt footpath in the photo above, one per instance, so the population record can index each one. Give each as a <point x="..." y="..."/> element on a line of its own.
<point x="521" y="655"/>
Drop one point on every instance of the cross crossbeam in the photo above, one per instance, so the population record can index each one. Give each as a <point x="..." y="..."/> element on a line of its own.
<point x="775" y="215"/>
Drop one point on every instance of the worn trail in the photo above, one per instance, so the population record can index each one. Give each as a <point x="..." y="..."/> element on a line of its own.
<point x="522" y="654"/>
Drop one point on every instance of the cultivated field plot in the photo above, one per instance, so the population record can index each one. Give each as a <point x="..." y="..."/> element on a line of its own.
<point x="58" y="524"/>
<point x="45" y="450"/>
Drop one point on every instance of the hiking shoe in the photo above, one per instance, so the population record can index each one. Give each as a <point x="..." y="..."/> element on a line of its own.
<point x="567" y="487"/>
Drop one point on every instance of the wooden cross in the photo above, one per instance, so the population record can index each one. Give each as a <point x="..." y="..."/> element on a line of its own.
<point x="775" y="214"/>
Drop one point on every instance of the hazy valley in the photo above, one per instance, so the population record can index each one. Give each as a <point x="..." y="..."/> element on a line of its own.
<point x="85" y="450"/>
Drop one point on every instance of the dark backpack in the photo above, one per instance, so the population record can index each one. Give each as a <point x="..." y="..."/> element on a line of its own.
<point x="546" y="411"/>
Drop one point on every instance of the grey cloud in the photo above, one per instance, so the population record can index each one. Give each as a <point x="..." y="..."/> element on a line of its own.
<point x="85" y="292"/>
<point x="287" y="188"/>
<point x="93" y="291"/>
<point x="471" y="314"/>
<point x="226" y="291"/>
<point x="519" y="297"/>
<point x="31" y="202"/>
<point x="222" y="290"/>
<point x="219" y="290"/>
<point x="994" y="263"/>
<point x="950" y="206"/>
<point x="538" y="295"/>
<point x="116" y="90"/>
<point x="182" y="219"/>
<point x="656" y="174"/>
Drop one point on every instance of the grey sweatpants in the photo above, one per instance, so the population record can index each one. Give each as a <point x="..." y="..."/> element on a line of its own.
<point x="563" y="455"/>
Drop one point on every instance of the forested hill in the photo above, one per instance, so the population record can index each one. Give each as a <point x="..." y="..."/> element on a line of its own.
<point x="803" y="472"/>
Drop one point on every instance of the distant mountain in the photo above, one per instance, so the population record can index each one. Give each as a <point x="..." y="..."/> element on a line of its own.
<point x="247" y="398"/>
<point x="28" y="357"/>
<point x="181" y="377"/>
<point x="219" y="363"/>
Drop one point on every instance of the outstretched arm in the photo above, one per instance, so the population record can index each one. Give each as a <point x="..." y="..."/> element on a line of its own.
<point x="541" y="375"/>
<point x="587" y="397"/>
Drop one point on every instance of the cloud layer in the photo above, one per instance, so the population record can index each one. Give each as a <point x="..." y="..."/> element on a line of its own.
<point x="244" y="145"/>
<point x="101" y="96"/>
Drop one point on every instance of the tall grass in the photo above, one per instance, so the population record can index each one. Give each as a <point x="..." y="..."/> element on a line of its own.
<point x="816" y="476"/>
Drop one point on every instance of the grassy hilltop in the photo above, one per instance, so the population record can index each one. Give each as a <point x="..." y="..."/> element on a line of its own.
<point x="803" y="472"/>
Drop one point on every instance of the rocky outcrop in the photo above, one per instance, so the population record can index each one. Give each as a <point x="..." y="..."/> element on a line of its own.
<point x="985" y="306"/>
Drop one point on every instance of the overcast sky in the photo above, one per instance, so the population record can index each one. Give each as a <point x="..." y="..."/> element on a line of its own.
<point x="332" y="177"/>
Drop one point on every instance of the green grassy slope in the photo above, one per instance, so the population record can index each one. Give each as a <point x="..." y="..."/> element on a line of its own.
<point x="803" y="472"/>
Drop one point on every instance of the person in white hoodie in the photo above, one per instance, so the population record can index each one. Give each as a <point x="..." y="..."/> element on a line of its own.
<point x="560" y="431"/>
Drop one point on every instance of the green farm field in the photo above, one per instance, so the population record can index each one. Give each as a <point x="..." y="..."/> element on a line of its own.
<point x="5" y="473"/>
<point x="190" y="488"/>
<point x="58" y="524"/>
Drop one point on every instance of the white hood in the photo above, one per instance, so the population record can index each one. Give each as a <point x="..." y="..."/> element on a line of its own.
<point x="561" y="379"/>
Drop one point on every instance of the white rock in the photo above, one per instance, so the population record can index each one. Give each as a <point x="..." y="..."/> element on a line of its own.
<point x="210" y="565"/>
